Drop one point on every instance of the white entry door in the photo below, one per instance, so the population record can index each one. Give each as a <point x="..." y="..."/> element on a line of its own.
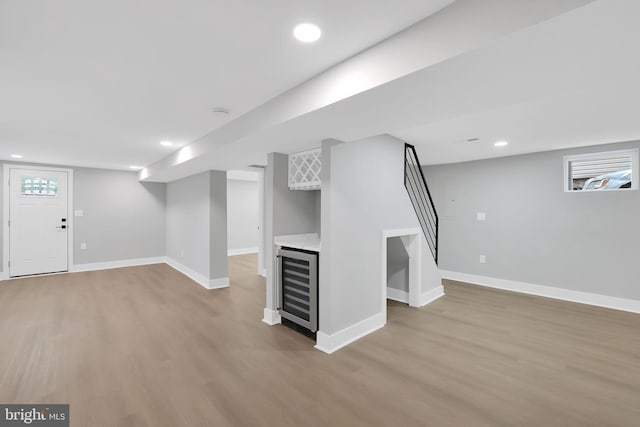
<point x="38" y="222"/>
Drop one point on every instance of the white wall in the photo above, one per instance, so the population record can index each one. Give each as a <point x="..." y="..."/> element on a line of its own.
<point x="535" y="232"/>
<point x="188" y="222"/>
<point x="123" y="218"/>
<point x="218" y="268"/>
<point x="243" y="220"/>
<point x="363" y="196"/>
<point x="318" y="211"/>
<point x="196" y="223"/>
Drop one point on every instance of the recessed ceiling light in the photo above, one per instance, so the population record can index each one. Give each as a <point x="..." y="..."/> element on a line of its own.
<point x="473" y="139"/>
<point x="135" y="167"/>
<point x="17" y="156"/>
<point x="166" y="143"/>
<point x="307" y="33"/>
<point x="501" y="144"/>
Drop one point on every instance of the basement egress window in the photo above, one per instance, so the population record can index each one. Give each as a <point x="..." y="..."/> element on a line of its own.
<point x="39" y="186"/>
<point x="607" y="171"/>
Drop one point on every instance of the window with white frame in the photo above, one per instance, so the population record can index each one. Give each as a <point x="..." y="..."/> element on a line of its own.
<point x="39" y="186"/>
<point x="606" y="171"/>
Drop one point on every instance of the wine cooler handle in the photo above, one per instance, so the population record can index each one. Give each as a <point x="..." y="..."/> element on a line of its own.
<point x="276" y="283"/>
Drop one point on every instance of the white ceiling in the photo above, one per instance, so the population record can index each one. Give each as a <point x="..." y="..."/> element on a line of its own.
<point x="569" y="82"/>
<point x="566" y="82"/>
<point x="602" y="115"/>
<point x="471" y="57"/>
<point x="102" y="83"/>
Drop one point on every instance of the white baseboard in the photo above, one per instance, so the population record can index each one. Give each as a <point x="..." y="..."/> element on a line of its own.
<point x="397" y="295"/>
<point x="425" y="298"/>
<point x="76" y="268"/>
<point x="107" y="265"/>
<point x="431" y="295"/>
<point x="195" y="276"/>
<point x="242" y="251"/>
<point x="615" y="303"/>
<point x="220" y="283"/>
<point x="200" y="279"/>
<point x="330" y="343"/>
<point x="271" y="317"/>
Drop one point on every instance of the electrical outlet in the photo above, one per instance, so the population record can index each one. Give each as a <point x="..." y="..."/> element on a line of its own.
<point x="483" y="259"/>
<point x="482" y="216"/>
<point x="83" y="246"/>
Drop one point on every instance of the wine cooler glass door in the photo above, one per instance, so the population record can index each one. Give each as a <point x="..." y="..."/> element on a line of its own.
<point x="298" y="287"/>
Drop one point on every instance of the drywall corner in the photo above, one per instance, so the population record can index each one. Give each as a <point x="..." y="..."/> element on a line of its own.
<point x="330" y="343"/>
<point x="324" y="288"/>
<point x="431" y="295"/>
<point x="271" y="317"/>
<point x="218" y="254"/>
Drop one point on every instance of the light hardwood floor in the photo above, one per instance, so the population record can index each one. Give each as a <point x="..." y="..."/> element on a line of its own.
<point x="145" y="346"/>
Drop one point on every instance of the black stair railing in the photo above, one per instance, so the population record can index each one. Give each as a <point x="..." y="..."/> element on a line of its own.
<point x="416" y="186"/>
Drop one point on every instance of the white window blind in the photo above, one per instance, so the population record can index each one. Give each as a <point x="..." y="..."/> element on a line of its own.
<point x="590" y="168"/>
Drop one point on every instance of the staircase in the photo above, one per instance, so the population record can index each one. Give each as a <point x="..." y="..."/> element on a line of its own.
<point x="418" y="191"/>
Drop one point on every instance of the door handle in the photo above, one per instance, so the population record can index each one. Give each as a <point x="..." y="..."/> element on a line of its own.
<point x="64" y="227"/>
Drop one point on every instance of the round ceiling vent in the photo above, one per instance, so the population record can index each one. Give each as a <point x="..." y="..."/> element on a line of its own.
<point x="220" y="111"/>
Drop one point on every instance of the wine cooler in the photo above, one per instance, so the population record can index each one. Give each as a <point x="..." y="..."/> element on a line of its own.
<point x="297" y="285"/>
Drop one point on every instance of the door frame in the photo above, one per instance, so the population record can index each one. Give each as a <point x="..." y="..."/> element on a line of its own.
<point x="412" y="240"/>
<point x="5" y="212"/>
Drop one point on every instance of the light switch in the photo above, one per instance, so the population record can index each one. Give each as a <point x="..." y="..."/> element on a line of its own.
<point x="79" y="212"/>
<point x="482" y="216"/>
<point x="483" y="259"/>
<point x="83" y="246"/>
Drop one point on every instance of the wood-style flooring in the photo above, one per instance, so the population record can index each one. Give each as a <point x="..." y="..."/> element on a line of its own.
<point x="146" y="346"/>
